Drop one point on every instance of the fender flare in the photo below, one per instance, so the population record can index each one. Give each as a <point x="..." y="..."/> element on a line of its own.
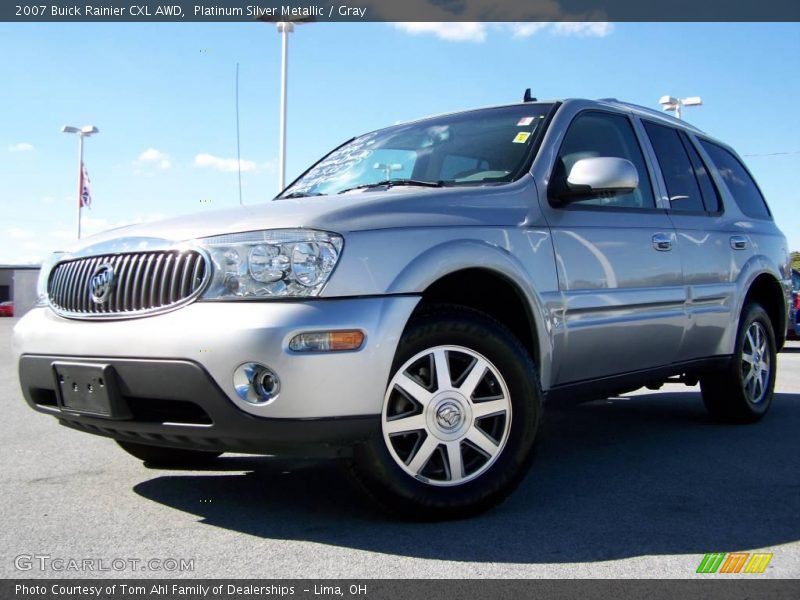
<point x="462" y="254"/>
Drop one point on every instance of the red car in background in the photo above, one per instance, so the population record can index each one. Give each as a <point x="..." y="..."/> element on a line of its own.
<point x="6" y="309"/>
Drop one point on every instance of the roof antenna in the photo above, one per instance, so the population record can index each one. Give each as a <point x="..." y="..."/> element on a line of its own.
<point x="528" y="97"/>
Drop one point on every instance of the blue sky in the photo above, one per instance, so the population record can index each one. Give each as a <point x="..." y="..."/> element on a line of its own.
<point x="163" y="98"/>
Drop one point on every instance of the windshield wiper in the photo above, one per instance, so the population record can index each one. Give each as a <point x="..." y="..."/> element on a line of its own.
<point x="299" y="195"/>
<point x="395" y="182"/>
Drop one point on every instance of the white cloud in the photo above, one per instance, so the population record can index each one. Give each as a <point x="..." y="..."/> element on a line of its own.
<point x="17" y="233"/>
<point x="583" y="29"/>
<point x="21" y="147"/>
<point x="478" y="32"/>
<point x="228" y="165"/>
<point x="154" y="157"/>
<point x="452" y="32"/>
<point x="523" y="30"/>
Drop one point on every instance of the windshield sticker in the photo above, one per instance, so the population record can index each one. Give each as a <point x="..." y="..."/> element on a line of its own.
<point x="525" y="121"/>
<point x="522" y="137"/>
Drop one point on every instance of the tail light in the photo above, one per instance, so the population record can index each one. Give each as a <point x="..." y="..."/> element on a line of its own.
<point x="797" y="300"/>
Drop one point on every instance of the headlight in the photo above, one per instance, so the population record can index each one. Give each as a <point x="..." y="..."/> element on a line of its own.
<point x="44" y="275"/>
<point x="269" y="264"/>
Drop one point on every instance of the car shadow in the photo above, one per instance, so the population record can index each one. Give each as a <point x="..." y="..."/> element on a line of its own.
<point x="631" y="476"/>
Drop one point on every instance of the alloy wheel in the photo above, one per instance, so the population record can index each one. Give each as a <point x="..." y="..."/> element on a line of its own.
<point x="446" y="415"/>
<point x="755" y="363"/>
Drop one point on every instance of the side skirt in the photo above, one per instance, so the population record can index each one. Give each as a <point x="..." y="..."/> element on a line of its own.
<point x="593" y="389"/>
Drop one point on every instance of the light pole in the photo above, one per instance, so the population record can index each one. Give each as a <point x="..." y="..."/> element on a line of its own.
<point x="284" y="28"/>
<point x="670" y="103"/>
<point x="82" y="132"/>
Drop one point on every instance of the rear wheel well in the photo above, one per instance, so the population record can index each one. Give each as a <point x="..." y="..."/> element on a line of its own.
<point x="492" y="294"/>
<point x="767" y="291"/>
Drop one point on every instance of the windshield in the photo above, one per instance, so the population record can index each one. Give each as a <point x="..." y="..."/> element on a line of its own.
<point x="471" y="148"/>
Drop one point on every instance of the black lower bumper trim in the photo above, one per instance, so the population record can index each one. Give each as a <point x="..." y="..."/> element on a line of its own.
<point x="176" y="403"/>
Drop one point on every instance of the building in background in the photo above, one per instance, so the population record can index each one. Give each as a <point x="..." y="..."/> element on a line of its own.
<point x="18" y="284"/>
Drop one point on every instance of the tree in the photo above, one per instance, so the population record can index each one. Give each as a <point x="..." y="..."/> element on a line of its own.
<point x="796" y="260"/>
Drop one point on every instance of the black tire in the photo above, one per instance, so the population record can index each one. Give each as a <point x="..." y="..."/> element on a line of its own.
<point x="402" y="494"/>
<point x="158" y="456"/>
<point x="731" y="395"/>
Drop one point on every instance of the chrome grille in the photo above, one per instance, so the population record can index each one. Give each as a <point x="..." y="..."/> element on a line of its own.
<point x="142" y="283"/>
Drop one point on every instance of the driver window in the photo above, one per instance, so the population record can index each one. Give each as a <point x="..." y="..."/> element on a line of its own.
<point x="595" y="134"/>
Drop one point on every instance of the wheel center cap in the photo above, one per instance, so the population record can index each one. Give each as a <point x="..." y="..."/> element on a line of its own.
<point x="449" y="416"/>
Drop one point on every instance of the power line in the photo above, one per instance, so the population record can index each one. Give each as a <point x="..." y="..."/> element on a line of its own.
<point x="774" y="153"/>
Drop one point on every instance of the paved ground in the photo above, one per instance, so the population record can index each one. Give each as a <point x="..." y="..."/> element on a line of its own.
<point x="640" y="486"/>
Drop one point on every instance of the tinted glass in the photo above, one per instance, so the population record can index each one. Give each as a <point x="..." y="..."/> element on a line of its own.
<point x="595" y="134"/>
<point x="707" y="186"/>
<point x="742" y="187"/>
<point x="682" y="187"/>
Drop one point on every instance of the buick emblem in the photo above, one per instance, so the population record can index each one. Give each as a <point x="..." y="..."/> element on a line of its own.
<point x="101" y="283"/>
<point x="449" y="416"/>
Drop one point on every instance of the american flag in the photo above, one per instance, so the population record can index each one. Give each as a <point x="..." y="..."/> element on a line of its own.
<point x="86" y="192"/>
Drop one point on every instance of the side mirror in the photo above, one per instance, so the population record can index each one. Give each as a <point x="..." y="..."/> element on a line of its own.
<point x="604" y="176"/>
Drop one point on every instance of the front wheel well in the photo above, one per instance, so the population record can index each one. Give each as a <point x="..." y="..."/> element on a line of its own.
<point x="491" y="293"/>
<point x="767" y="291"/>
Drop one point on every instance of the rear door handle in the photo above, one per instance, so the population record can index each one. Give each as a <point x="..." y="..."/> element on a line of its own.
<point x="662" y="242"/>
<point x="738" y="242"/>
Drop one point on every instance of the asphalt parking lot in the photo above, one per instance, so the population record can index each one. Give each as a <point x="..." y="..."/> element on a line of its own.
<point x="639" y="486"/>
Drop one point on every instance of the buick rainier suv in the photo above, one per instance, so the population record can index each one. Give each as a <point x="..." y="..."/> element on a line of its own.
<point x="409" y="303"/>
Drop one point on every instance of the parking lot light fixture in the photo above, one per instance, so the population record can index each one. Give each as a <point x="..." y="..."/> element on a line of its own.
<point x="672" y="104"/>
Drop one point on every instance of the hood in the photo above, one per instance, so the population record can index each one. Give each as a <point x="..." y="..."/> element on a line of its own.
<point x="355" y="211"/>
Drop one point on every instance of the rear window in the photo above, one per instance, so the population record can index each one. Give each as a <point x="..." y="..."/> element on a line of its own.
<point x="741" y="185"/>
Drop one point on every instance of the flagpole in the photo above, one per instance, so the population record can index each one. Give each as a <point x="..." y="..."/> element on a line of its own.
<point x="82" y="133"/>
<point x="80" y="182"/>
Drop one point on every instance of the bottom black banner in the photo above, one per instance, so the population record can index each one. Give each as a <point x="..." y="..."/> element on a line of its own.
<point x="395" y="589"/>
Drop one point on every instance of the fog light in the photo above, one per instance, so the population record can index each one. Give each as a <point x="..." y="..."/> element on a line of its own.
<point x="327" y="341"/>
<point x="256" y="383"/>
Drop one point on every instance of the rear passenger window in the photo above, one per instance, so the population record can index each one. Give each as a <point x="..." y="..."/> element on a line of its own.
<point x="679" y="176"/>
<point x="598" y="134"/>
<point x="742" y="187"/>
<point x="707" y="186"/>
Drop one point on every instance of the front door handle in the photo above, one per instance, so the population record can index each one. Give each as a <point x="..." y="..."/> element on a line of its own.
<point x="662" y="242"/>
<point x="738" y="242"/>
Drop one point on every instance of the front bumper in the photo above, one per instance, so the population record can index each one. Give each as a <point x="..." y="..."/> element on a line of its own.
<point x="189" y="355"/>
<point x="175" y="403"/>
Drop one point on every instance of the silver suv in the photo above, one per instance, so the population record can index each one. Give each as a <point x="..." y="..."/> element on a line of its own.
<point x="413" y="298"/>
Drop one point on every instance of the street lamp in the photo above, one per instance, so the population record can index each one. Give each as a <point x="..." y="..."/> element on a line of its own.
<point x="669" y="103"/>
<point x="83" y="132"/>
<point x="284" y="28"/>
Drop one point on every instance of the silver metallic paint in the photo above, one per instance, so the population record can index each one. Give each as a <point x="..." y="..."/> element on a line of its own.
<point x="591" y="278"/>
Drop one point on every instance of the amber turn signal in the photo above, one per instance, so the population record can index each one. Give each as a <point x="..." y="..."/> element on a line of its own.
<point x="327" y="341"/>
